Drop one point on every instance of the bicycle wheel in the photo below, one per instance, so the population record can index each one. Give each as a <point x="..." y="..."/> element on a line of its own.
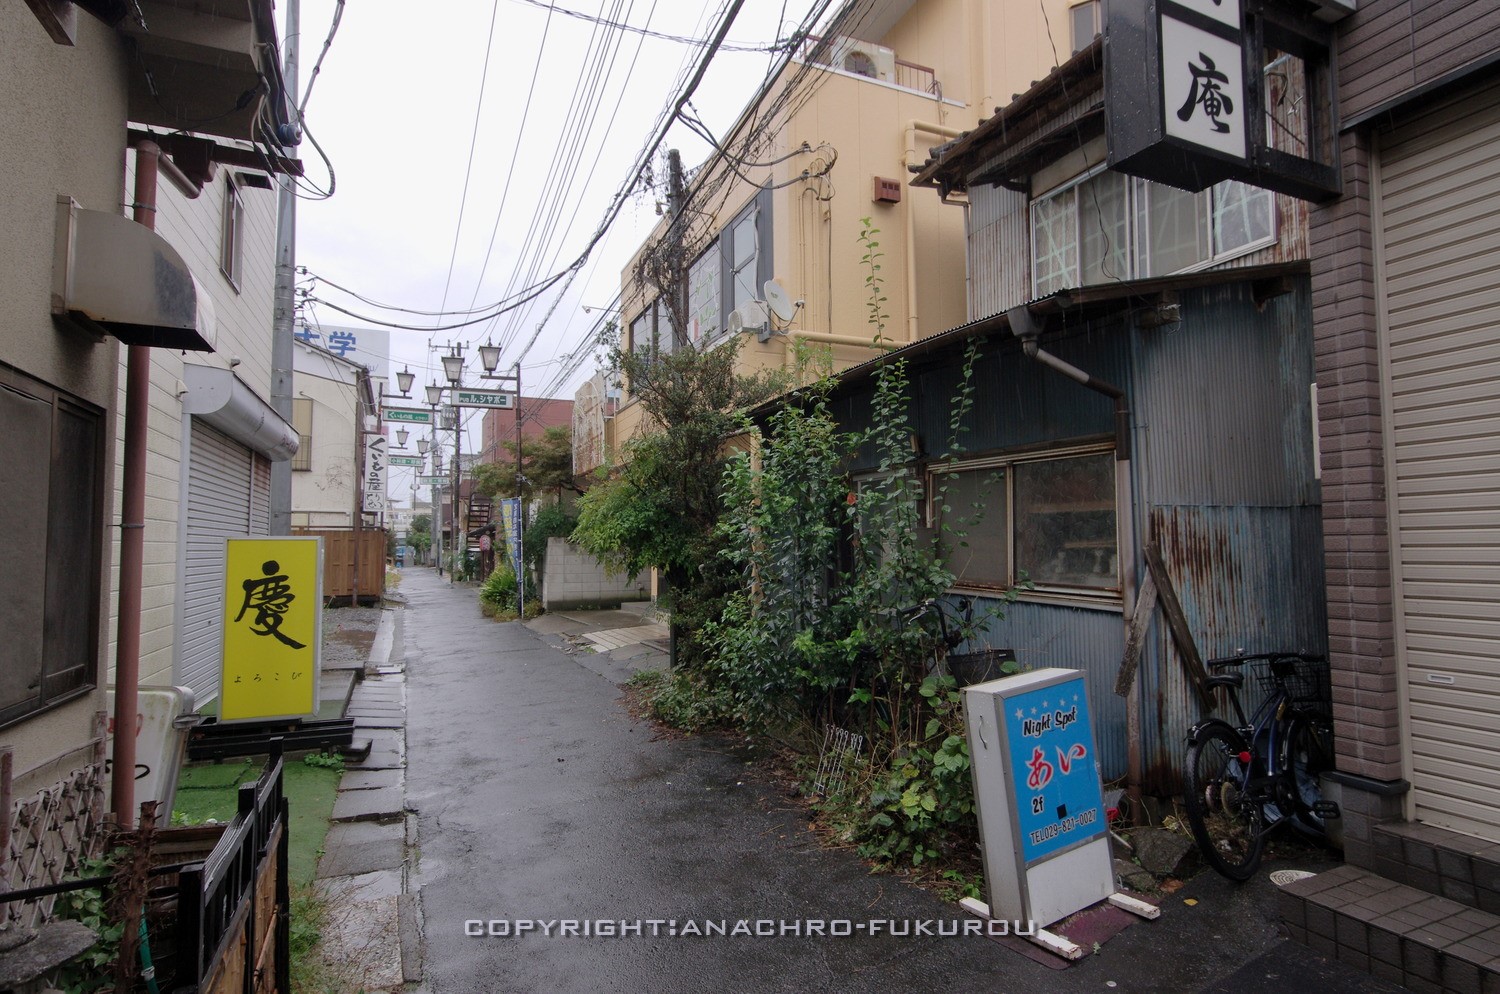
<point x="1307" y="753"/>
<point x="1227" y="822"/>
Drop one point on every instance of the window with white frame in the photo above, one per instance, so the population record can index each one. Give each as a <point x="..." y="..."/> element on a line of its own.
<point x="1105" y="226"/>
<point x="231" y="234"/>
<point x="302" y="422"/>
<point x="1083" y="19"/>
<point x="704" y="320"/>
<point x="1044" y="517"/>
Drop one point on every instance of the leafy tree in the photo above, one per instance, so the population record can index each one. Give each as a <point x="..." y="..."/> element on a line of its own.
<point x="661" y="508"/>
<point x="547" y="467"/>
<point x="419" y="534"/>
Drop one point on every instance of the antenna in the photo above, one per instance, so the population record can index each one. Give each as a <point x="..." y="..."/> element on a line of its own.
<point x="779" y="301"/>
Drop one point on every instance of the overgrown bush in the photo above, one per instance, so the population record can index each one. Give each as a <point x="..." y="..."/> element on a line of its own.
<point x="551" y="521"/>
<point x="683" y="699"/>
<point x="499" y="590"/>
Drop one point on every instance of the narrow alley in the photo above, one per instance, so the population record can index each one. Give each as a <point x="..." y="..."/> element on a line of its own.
<point x="539" y="798"/>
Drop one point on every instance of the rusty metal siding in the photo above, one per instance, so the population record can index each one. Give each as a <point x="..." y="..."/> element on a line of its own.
<point x="1248" y="578"/>
<point x="1075" y="638"/>
<point x="999" y="251"/>
<point x="1225" y="483"/>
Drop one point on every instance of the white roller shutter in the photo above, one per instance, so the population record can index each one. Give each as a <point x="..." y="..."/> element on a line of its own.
<point x="228" y="494"/>
<point x="1438" y="231"/>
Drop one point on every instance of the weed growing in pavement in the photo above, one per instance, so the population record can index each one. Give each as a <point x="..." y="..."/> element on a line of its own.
<point x="325" y="760"/>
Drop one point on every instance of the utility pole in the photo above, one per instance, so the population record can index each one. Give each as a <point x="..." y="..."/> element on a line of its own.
<point x="286" y="287"/>
<point x="676" y="248"/>
<point x="520" y="505"/>
<point x="360" y="377"/>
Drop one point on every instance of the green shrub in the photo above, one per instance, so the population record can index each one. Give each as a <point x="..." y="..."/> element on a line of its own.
<point x="500" y="589"/>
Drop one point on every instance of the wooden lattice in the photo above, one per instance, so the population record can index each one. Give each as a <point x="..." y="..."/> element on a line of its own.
<point x="49" y="836"/>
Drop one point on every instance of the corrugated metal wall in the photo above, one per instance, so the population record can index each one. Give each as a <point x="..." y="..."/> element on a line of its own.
<point x="999" y="228"/>
<point x="1076" y="638"/>
<point x="1223" y="475"/>
<point x="1225" y="482"/>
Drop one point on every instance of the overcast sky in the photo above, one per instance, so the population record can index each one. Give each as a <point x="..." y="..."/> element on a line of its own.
<point x="395" y="106"/>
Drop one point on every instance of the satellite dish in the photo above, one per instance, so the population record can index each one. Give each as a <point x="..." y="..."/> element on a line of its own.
<point x="779" y="301"/>
<point x="736" y="322"/>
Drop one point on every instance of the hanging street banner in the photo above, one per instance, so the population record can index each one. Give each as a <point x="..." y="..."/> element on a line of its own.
<point x="273" y="615"/>
<point x="483" y="398"/>
<point x="375" y="473"/>
<point x="407" y="415"/>
<point x="408" y="460"/>
<point x="510" y="523"/>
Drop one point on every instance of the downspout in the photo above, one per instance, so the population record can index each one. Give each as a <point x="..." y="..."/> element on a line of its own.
<point x="132" y="526"/>
<point x="1028" y="328"/>
<point x="909" y="221"/>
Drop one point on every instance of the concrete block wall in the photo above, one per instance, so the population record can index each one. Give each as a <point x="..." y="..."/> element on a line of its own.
<point x="573" y="578"/>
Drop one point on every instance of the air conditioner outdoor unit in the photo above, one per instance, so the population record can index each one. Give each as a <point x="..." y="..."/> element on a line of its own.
<point x="863" y="58"/>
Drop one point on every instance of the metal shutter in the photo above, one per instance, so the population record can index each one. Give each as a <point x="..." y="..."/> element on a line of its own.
<point x="228" y="494"/>
<point x="1438" y="229"/>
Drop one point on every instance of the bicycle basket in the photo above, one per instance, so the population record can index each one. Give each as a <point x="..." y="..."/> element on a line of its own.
<point x="1306" y="682"/>
<point x="969" y="668"/>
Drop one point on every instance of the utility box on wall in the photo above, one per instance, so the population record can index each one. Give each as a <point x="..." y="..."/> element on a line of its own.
<point x="1039" y="799"/>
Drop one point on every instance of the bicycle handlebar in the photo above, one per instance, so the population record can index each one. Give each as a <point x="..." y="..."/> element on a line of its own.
<point x="1224" y="661"/>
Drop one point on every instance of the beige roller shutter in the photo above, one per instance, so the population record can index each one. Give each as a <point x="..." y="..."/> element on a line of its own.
<point x="1438" y="234"/>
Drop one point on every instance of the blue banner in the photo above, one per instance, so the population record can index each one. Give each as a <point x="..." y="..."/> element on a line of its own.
<point x="1059" y="801"/>
<point x="510" y="521"/>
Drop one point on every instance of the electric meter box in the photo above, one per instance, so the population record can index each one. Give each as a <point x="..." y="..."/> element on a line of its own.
<point x="1038" y="796"/>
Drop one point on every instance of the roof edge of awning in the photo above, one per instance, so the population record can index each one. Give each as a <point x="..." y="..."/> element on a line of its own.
<point x="226" y="402"/>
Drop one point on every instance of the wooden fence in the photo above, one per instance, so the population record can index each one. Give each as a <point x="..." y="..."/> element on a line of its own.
<point x="233" y="931"/>
<point x="338" y="562"/>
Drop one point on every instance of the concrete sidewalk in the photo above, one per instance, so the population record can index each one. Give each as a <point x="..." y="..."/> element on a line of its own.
<point x="371" y="937"/>
<point x="537" y="797"/>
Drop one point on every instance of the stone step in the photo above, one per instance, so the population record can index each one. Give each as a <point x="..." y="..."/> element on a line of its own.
<point x="1459" y="867"/>
<point x="1427" y="943"/>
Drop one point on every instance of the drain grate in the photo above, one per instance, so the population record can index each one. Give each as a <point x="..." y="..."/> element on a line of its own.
<point x="1283" y="877"/>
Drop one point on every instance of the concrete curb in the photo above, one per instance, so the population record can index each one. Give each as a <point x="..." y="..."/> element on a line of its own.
<point x="385" y="640"/>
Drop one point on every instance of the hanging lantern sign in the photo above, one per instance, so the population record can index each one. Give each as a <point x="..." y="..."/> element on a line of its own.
<point x="1185" y="100"/>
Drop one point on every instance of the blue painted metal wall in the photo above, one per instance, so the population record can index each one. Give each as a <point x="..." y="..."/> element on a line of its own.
<point x="1223" y="478"/>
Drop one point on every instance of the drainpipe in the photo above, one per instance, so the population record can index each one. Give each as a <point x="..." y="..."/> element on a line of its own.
<point x="132" y="526"/>
<point x="1028" y="328"/>
<point x="909" y="221"/>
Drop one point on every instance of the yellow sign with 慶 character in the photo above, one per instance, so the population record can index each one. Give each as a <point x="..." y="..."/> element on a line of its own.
<point x="273" y="599"/>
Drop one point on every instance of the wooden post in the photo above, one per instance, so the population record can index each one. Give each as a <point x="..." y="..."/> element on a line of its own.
<point x="1171" y="609"/>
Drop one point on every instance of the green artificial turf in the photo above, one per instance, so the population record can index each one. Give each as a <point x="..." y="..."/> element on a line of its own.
<point x="208" y="790"/>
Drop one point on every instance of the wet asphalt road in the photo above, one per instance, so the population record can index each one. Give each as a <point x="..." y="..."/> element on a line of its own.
<point x="538" y="797"/>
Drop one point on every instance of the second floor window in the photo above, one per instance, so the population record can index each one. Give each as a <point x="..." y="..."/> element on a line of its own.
<point x="302" y="421"/>
<point x="232" y="233"/>
<point x="1083" y="18"/>
<point x="1106" y="226"/>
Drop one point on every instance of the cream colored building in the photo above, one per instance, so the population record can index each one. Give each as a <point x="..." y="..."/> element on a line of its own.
<point x="331" y="396"/>
<point x="213" y="434"/>
<point x="838" y="130"/>
<point x="79" y="279"/>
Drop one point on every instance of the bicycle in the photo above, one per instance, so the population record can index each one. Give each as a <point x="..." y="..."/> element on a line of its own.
<point x="1241" y="782"/>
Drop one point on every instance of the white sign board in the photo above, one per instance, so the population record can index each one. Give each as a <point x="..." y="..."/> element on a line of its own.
<point x="1036" y="782"/>
<point x="376" y="466"/>
<point x="1203" y="88"/>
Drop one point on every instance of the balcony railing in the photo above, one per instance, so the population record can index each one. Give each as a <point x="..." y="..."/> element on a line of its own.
<point x="907" y="75"/>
